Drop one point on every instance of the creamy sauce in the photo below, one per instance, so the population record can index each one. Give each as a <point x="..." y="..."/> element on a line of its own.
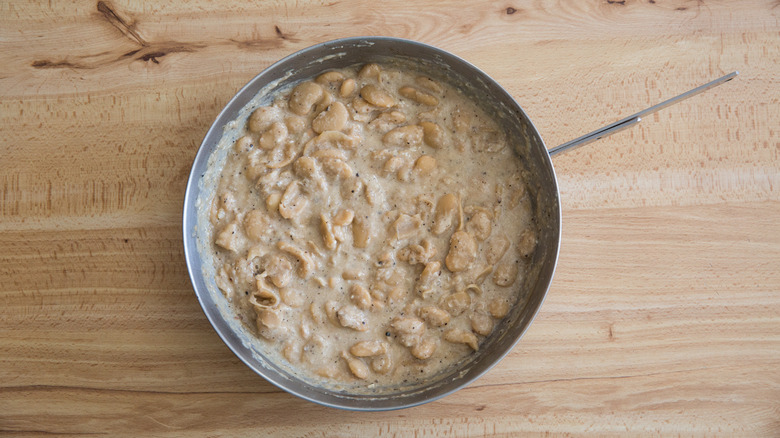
<point x="372" y="227"/>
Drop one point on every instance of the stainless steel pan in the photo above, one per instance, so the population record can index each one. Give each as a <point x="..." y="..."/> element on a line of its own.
<point x="496" y="101"/>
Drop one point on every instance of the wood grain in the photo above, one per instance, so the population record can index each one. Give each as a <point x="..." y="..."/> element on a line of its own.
<point x="664" y="315"/>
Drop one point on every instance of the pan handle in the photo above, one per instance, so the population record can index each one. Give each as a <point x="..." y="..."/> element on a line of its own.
<point x="636" y="118"/>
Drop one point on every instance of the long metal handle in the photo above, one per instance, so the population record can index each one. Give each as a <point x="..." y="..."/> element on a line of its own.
<point x="635" y="118"/>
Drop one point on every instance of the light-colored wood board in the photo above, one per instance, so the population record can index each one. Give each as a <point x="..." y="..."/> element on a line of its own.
<point x="664" y="314"/>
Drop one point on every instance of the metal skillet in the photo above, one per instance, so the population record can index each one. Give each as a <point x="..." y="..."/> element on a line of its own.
<point x="496" y="101"/>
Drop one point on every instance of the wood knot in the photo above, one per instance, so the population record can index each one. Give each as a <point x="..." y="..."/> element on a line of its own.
<point x="153" y="57"/>
<point x="510" y="10"/>
<point x="45" y="63"/>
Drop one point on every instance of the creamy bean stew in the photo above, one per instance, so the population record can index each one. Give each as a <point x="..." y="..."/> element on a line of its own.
<point x="372" y="226"/>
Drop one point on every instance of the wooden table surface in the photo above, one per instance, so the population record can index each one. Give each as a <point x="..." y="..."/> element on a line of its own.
<point x="663" y="317"/>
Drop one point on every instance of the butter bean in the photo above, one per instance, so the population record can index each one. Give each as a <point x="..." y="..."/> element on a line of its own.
<point x="368" y="348"/>
<point x="498" y="308"/>
<point x="229" y="238"/>
<point x="409" y="329"/>
<point x="377" y="96"/>
<point x="255" y="224"/>
<point x="418" y="254"/>
<point x="418" y="96"/>
<point x="307" y="265"/>
<point x="407" y="136"/>
<point x="429" y="83"/>
<point x="263" y="297"/>
<point x="305" y="167"/>
<point x="272" y="201"/>
<point x="269" y="325"/>
<point x="460" y="336"/>
<point x="329" y="77"/>
<point x="382" y="364"/>
<point x="338" y="168"/>
<point x="295" y="124"/>
<point x="274" y="136"/>
<point x="496" y="248"/>
<point x="361" y="107"/>
<point x="463" y="252"/>
<point x="387" y="120"/>
<point x="434" y="316"/>
<point x="244" y="144"/>
<point x="361" y="233"/>
<point x="360" y="297"/>
<point x="370" y="71"/>
<point x="326" y="231"/>
<point x="353" y="274"/>
<point x="292" y="203"/>
<point x="433" y="135"/>
<point x="480" y="225"/>
<point x="424" y="349"/>
<point x="427" y="277"/>
<point x="323" y="103"/>
<point x="292" y="352"/>
<point x="329" y="140"/>
<point x="292" y="297"/>
<point x="406" y="226"/>
<point x="304" y="96"/>
<point x="425" y="164"/>
<point x="351" y="317"/>
<point x="347" y="88"/>
<point x="343" y="217"/>
<point x="262" y="118"/>
<point x="527" y="243"/>
<point x="505" y="274"/>
<point x="357" y="367"/>
<point x="481" y="323"/>
<point x="279" y="269"/>
<point x="334" y="118"/>
<point x="457" y="303"/>
<point x="445" y="212"/>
